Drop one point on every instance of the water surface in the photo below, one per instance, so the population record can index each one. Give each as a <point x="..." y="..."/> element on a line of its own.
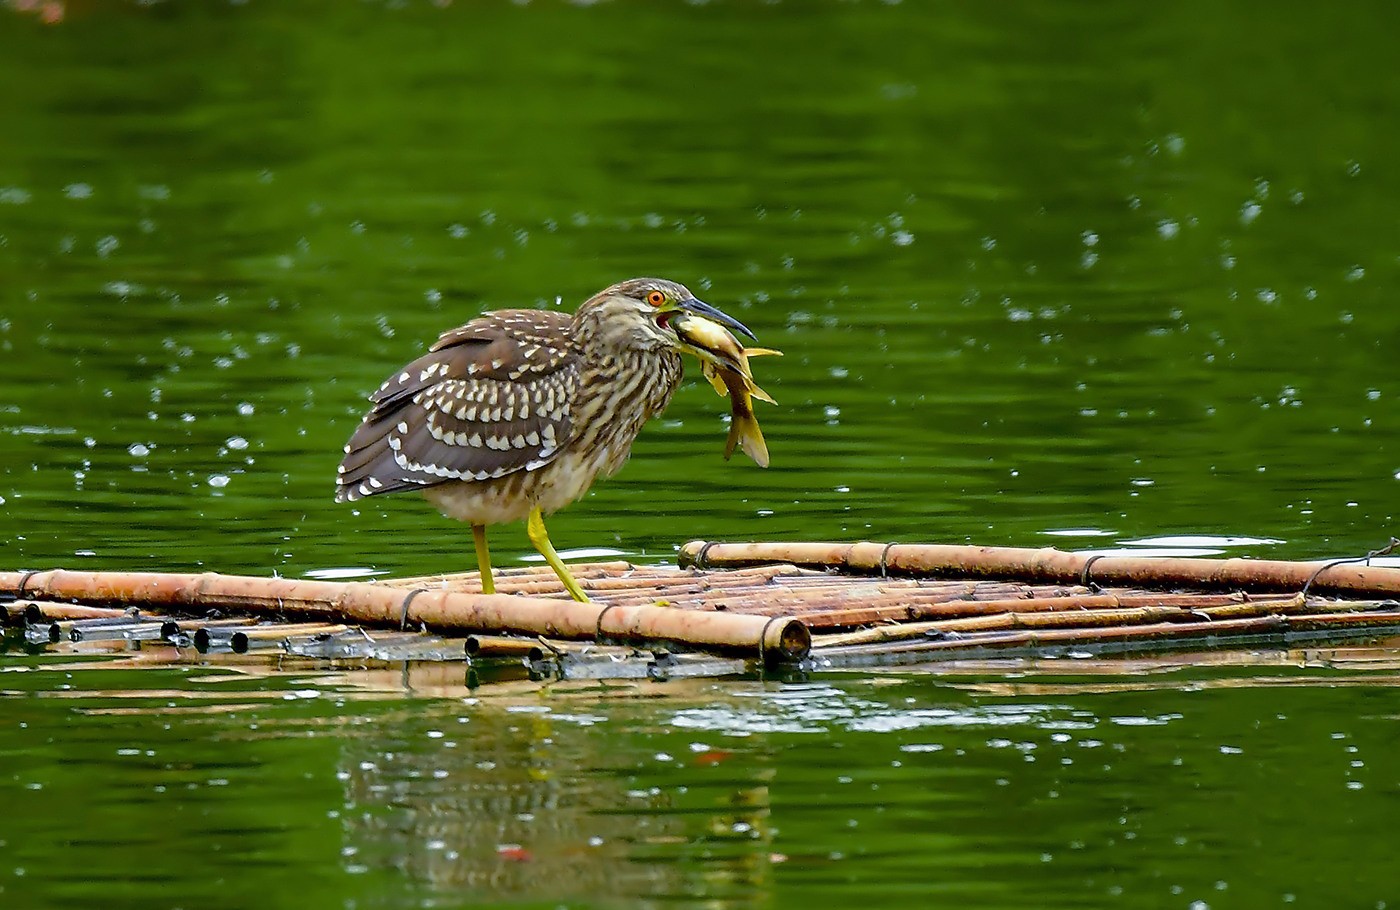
<point x="1085" y="275"/>
<point x="995" y="785"/>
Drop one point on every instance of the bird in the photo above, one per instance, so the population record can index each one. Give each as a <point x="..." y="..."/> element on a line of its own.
<point x="516" y="414"/>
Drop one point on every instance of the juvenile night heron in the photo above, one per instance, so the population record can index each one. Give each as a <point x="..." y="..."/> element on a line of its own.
<point x="515" y="414"/>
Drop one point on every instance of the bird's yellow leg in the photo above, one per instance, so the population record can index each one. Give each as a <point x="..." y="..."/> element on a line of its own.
<point x="540" y="538"/>
<point x="483" y="559"/>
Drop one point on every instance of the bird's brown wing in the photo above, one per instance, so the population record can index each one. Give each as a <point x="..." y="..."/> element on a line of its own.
<point x="488" y="399"/>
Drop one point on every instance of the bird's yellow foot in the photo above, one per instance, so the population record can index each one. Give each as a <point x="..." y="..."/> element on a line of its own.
<point x="540" y="538"/>
<point x="483" y="559"/>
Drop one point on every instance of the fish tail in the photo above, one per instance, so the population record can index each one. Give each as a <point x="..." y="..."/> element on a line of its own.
<point x="744" y="432"/>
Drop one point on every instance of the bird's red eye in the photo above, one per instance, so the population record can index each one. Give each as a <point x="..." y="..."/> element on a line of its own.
<point x="656" y="298"/>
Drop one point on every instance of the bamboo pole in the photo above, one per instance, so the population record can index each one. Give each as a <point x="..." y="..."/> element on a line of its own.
<point x="1086" y="619"/>
<point x="171" y="629"/>
<point x="1222" y="629"/>
<point x="36" y="612"/>
<point x="101" y="630"/>
<point x="1051" y="565"/>
<point x="953" y="608"/>
<point x="781" y="638"/>
<point x="500" y="646"/>
<point x="580" y="571"/>
<point x="273" y="635"/>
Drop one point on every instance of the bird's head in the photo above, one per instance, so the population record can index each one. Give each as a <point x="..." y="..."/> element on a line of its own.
<point x="644" y="308"/>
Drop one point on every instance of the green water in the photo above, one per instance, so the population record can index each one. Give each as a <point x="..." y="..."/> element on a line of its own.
<point x="1099" y="275"/>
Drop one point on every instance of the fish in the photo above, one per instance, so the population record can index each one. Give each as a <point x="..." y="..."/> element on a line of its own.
<point x="725" y="363"/>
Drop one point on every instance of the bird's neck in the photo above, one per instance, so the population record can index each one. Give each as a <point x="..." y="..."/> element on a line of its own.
<point x="628" y="372"/>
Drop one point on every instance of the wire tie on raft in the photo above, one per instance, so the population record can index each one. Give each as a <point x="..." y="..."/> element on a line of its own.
<point x="19" y="588"/>
<point x="763" y="640"/>
<point x="1379" y="551"/>
<point x="1084" y="581"/>
<point x="884" y="560"/>
<point x="403" y="616"/>
<point x="598" y="624"/>
<point x="701" y="558"/>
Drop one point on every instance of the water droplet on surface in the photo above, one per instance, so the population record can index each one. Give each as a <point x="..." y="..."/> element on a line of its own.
<point x="218" y="481"/>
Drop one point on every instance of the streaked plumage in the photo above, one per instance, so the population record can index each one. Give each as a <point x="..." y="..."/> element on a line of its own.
<point x="518" y="412"/>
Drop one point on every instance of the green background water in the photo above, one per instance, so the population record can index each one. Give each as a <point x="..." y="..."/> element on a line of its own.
<point x="1115" y="270"/>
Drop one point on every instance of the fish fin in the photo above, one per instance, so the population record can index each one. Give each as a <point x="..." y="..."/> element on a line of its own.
<point x="744" y="431"/>
<point x="711" y="372"/>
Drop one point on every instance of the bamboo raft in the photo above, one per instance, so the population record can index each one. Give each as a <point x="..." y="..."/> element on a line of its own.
<point x="732" y="608"/>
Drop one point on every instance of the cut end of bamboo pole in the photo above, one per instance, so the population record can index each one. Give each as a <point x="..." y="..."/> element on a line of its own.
<point x="787" y="641"/>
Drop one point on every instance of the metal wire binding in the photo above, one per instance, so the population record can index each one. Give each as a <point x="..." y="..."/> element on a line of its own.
<point x="598" y="625"/>
<point x="701" y="558"/>
<point x="1084" y="581"/>
<point x="403" y="617"/>
<point x="19" y="588"/>
<point x="1381" y="551"/>
<point x="763" y="640"/>
<point x="884" y="556"/>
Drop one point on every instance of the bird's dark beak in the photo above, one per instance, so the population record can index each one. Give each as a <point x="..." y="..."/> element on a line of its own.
<point x="701" y="308"/>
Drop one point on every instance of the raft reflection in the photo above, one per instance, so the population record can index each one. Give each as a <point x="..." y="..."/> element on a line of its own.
<point x="519" y="799"/>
